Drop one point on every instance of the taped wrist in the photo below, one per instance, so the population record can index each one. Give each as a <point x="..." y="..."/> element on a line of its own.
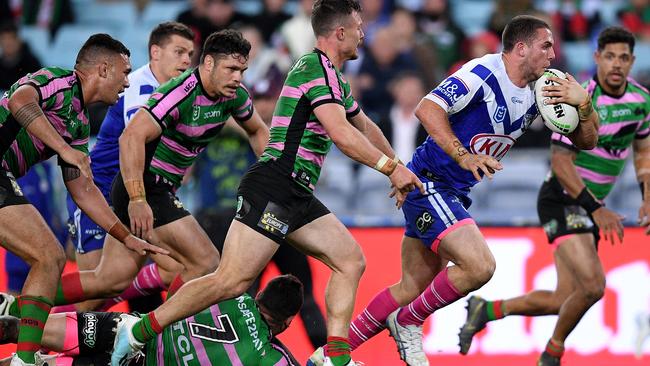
<point x="587" y="201"/>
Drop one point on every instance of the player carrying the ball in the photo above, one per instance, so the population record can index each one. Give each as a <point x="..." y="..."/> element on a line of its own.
<point x="473" y="118"/>
<point x="570" y="201"/>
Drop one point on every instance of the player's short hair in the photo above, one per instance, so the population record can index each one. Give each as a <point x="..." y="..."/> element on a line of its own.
<point x="98" y="45"/>
<point x="282" y="297"/>
<point x="615" y="35"/>
<point x="225" y="42"/>
<point x="521" y="28"/>
<point x="328" y="14"/>
<point x="164" y="31"/>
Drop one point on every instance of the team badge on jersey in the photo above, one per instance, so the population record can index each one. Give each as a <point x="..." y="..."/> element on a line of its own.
<point x="451" y="90"/>
<point x="500" y="114"/>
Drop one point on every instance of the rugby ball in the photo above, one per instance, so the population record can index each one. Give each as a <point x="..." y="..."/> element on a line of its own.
<point x="561" y="118"/>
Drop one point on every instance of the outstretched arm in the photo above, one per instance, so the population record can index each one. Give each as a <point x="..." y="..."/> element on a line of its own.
<point x="25" y="109"/>
<point x="371" y="131"/>
<point x="355" y="145"/>
<point x="563" y="166"/>
<point x="142" y="129"/>
<point x="91" y="201"/>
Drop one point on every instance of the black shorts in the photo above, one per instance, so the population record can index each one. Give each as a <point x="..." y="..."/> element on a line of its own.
<point x="166" y="207"/>
<point x="273" y="204"/>
<point x="561" y="215"/>
<point x="10" y="192"/>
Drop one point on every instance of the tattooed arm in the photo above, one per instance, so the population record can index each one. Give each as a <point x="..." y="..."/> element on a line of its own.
<point x="25" y="109"/>
<point x="91" y="201"/>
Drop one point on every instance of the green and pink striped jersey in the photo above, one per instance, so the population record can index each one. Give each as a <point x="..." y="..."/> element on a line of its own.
<point x="299" y="143"/>
<point x="61" y="99"/>
<point x="622" y="120"/>
<point x="190" y="119"/>
<point x="231" y="333"/>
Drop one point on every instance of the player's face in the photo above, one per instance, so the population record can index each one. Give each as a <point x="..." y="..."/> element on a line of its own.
<point x="226" y="75"/>
<point x="613" y="63"/>
<point x="116" y="79"/>
<point x="539" y="54"/>
<point x="173" y="57"/>
<point x="352" y="37"/>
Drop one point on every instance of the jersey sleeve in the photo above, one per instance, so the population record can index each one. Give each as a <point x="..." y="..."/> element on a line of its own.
<point x="163" y="108"/>
<point x="318" y="80"/>
<point x="456" y="91"/>
<point x="644" y="127"/>
<point x="133" y="99"/>
<point x="351" y="106"/>
<point x="243" y="106"/>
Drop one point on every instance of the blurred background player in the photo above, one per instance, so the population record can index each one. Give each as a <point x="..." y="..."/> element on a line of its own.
<point x="170" y="52"/>
<point x="44" y="114"/>
<point x="16" y="58"/>
<point x="570" y="204"/>
<point x="495" y="89"/>
<point x="240" y="331"/>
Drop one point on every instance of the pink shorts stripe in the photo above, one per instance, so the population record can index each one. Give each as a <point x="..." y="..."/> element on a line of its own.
<point x="463" y="222"/>
<point x="561" y="239"/>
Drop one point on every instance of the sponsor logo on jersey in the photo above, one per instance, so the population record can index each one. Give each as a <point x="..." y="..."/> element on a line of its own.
<point x="621" y="112"/>
<point x="493" y="145"/>
<point x="189" y="86"/>
<point x="211" y="114"/>
<point x="451" y="90"/>
<point x="516" y="100"/>
<point x="89" y="330"/>
<point x="500" y="114"/>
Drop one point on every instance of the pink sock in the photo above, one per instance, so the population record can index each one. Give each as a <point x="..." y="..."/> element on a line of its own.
<point x="371" y="321"/>
<point x="440" y="294"/>
<point x="63" y="309"/>
<point x="71" y="338"/>
<point x="147" y="282"/>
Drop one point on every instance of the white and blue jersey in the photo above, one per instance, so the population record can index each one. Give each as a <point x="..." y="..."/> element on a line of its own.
<point x="487" y="113"/>
<point x="105" y="155"/>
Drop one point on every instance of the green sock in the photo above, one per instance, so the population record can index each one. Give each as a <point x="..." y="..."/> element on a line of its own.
<point x="338" y="350"/>
<point x="146" y="328"/>
<point x="14" y="310"/>
<point x="33" y="315"/>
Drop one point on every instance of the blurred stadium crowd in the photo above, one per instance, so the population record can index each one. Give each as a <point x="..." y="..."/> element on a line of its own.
<point x="410" y="46"/>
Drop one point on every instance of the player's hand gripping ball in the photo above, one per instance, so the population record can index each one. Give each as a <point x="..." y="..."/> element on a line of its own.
<point x="561" y="118"/>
